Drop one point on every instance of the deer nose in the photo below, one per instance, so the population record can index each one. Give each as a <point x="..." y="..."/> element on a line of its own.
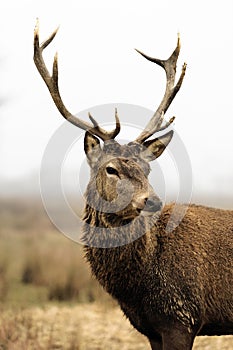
<point x="153" y="205"/>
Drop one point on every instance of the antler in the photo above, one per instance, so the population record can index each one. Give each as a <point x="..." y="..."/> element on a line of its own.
<point x="52" y="84"/>
<point x="169" y="66"/>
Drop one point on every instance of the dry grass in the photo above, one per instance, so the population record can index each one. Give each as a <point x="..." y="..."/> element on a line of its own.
<point x="39" y="268"/>
<point x="38" y="329"/>
<point x="82" y="327"/>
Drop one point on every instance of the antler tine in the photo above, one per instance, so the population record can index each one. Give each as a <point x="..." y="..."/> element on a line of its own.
<point x="109" y="134"/>
<point x="171" y="90"/>
<point x="52" y="83"/>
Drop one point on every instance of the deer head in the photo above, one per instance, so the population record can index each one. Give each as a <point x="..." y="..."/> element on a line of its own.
<point x="119" y="173"/>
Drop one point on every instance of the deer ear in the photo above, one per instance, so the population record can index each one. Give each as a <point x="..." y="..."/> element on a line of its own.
<point x="92" y="147"/>
<point x="154" y="148"/>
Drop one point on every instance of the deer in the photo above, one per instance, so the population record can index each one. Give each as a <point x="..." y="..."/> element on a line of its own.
<point x="172" y="285"/>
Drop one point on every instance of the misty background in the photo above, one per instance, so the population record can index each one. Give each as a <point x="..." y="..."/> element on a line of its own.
<point x="98" y="65"/>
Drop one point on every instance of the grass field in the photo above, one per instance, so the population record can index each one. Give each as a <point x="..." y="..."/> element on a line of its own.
<point x="89" y="326"/>
<point x="48" y="299"/>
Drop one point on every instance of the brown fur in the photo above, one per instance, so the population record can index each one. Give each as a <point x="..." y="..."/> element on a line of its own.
<point x="171" y="284"/>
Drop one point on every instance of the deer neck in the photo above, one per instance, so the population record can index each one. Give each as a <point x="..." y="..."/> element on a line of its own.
<point x="110" y="248"/>
<point x="108" y="230"/>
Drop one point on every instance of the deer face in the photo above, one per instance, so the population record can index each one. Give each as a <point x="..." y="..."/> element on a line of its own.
<point x="119" y="175"/>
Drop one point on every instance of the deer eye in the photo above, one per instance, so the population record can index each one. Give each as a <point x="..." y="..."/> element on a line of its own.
<point x="112" y="171"/>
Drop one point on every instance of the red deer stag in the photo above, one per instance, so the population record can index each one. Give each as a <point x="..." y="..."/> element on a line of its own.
<point x="172" y="286"/>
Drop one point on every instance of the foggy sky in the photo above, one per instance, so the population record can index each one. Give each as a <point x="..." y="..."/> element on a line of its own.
<point x="98" y="65"/>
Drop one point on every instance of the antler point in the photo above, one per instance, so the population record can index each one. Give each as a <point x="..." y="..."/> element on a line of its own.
<point x="138" y="51"/>
<point x="56" y="30"/>
<point x="36" y="30"/>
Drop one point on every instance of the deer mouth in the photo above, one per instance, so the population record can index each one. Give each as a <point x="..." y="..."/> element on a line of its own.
<point x="151" y="207"/>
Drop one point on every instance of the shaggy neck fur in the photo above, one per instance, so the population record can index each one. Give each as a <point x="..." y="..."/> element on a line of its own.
<point x="116" y="248"/>
<point x="109" y="230"/>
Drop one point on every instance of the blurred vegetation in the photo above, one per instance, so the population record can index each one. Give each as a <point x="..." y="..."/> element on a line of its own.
<point x="37" y="263"/>
<point x="48" y="298"/>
